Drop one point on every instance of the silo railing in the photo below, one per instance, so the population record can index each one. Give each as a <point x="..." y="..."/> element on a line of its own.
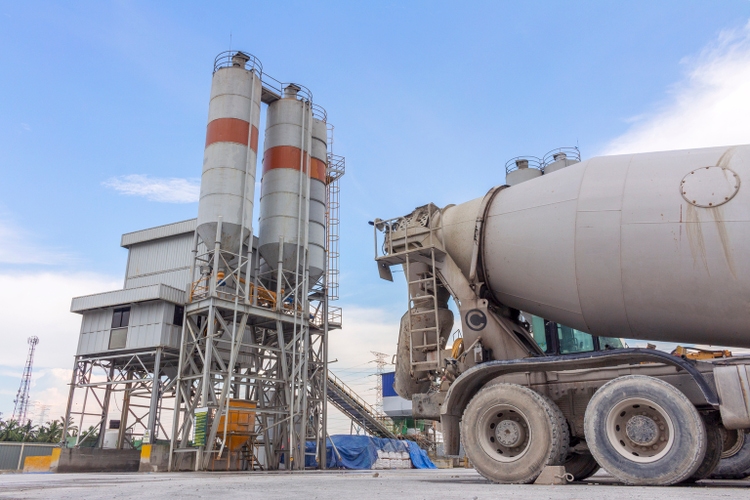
<point x="235" y="58"/>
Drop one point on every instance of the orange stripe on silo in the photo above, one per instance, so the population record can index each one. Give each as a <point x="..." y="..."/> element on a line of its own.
<point x="231" y="130"/>
<point x="281" y="157"/>
<point x="289" y="157"/>
<point x="318" y="170"/>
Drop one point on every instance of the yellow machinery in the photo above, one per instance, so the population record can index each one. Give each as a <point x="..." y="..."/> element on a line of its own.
<point x="241" y="425"/>
<point x="700" y="354"/>
<point x="238" y="447"/>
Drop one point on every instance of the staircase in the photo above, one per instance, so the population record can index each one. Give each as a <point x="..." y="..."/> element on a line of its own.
<point x="354" y="407"/>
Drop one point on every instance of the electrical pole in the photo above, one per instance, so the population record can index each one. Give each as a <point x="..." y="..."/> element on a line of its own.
<point x="22" y="398"/>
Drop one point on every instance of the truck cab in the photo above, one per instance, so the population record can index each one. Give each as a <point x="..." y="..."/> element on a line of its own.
<point x="556" y="339"/>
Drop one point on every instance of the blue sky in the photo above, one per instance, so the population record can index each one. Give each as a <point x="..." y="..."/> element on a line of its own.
<point x="103" y="110"/>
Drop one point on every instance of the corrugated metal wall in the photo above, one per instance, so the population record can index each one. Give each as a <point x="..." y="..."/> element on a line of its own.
<point x="165" y="260"/>
<point x="95" y="327"/>
<point x="146" y="324"/>
<point x="176" y="279"/>
<point x="11" y="452"/>
<point x="150" y="326"/>
<point x="167" y="230"/>
<point x="171" y="334"/>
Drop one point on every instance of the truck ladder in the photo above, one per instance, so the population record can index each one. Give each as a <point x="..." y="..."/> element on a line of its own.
<point x="423" y="301"/>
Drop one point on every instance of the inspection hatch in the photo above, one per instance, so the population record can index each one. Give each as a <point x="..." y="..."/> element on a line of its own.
<point x="708" y="187"/>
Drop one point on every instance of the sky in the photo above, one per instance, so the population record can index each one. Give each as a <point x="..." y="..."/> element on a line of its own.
<point x="103" y="110"/>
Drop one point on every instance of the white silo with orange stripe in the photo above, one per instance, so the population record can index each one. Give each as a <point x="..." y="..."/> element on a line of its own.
<point x="230" y="157"/>
<point x="317" y="219"/>
<point x="290" y="202"/>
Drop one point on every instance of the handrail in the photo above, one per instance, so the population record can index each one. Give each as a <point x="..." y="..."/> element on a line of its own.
<point x="571" y="153"/>
<point x="232" y="58"/>
<point x="353" y="395"/>
<point x="533" y="162"/>
<point x="240" y="58"/>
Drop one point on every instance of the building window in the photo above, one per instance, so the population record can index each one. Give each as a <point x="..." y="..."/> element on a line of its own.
<point x="121" y="317"/>
<point x="179" y="312"/>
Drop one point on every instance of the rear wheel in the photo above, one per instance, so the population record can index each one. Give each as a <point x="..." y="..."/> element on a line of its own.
<point x="581" y="466"/>
<point x="510" y="433"/>
<point x="735" y="458"/>
<point x="714" y="445"/>
<point x="644" y="431"/>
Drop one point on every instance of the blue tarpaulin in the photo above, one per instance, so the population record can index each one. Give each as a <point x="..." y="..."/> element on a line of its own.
<point x="360" y="452"/>
<point x="419" y="458"/>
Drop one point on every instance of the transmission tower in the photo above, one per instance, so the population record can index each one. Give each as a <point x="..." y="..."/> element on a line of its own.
<point x="380" y="361"/>
<point x="22" y="398"/>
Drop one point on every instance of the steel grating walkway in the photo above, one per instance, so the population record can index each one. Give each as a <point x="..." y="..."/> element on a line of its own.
<point x="354" y="407"/>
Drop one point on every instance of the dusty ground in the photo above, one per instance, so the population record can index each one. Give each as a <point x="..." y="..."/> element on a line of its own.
<point x="365" y="485"/>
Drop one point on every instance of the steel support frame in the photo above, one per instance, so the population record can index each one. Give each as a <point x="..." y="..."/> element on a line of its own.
<point x="136" y="382"/>
<point x="236" y="353"/>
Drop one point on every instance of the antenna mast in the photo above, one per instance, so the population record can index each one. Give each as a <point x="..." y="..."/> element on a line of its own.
<point x="22" y="398"/>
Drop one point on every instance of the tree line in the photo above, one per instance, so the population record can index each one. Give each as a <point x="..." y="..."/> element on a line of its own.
<point x="50" y="432"/>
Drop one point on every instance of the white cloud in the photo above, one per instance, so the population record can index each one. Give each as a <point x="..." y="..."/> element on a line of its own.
<point x="364" y="330"/>
<point x="39" y="304"/>
<point x="167" y="190"/>
<point x="708" y="108"/>
<point x="17" y="247"/>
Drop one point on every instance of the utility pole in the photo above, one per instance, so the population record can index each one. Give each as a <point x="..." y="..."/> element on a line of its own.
<point x="22" y="398"/>
<point x="380" y="361"/>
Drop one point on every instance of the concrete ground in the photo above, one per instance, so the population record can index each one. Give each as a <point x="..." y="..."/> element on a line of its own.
<point x="364" y="485"/>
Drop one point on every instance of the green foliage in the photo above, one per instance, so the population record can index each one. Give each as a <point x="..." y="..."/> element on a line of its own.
<point x="50" y="432"/>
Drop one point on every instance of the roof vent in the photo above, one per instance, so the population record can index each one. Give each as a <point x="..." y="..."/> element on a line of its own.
<point x="291" y="90"/>
<point x="239" y="60"/>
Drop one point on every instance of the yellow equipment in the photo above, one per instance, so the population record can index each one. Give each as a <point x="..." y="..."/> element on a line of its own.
<point x="700" y="354"/>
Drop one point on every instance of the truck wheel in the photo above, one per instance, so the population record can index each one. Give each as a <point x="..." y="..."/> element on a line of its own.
<point x="735" y="458"/>
<point x="581" y="466"/>
<point x="510" y="433"/>
<point x="644" y="431"/>
<point x="714" y="446"/>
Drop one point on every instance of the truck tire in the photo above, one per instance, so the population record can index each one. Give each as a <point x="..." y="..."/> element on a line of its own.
<point x="510" y="433"/>
<point x="644" y="431"/>
<point x="735" y="461"/>
<point x="581" y="466"/>
<point x="564" y="430"/>
<point x="714" y="447"/>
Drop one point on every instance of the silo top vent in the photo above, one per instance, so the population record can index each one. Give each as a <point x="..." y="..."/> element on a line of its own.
<point x="291" y="90"/>
<point x="239" y="60"/>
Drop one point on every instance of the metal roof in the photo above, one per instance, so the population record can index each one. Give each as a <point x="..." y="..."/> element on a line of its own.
<point x="154" y="233"/>
<point x="127" y="296"/>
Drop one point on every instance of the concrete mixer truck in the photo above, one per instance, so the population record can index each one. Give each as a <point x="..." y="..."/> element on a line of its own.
<point x="649" y="246"/>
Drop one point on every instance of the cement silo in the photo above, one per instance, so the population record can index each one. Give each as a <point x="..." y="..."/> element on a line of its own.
<point x="230" y="158"/>
<point x="317" y="219"/>
<point x="293" y="185"/>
